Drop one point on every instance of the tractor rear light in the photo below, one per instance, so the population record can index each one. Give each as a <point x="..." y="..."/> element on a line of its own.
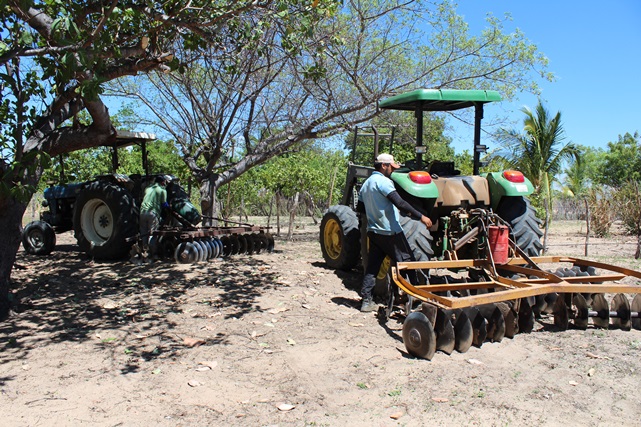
<point x="514" y="176"/>
<point x="420" y="177"/>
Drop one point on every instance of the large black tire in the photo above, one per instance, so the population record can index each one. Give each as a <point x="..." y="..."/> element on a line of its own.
<point x="419" y="238"/>
<point x="105" y="216"/>
<point x="525" y="226"/>
<point x="340" y="237"/>
<point x="38" y="238"/>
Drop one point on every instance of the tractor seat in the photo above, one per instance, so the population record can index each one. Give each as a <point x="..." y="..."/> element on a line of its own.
<point x="443" y="169"/>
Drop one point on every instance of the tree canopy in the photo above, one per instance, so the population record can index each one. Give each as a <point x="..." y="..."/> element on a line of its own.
<point x="539" y="150"/>
<point x="266" y="99"/>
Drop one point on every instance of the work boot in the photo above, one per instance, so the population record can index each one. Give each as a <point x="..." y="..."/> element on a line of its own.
<point x="368" y="305"/>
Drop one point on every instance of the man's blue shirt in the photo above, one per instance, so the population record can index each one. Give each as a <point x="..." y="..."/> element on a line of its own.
<point x="382" y="215"/>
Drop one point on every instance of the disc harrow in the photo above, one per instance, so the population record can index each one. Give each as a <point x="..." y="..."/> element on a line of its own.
<point x="209" y="243"/>
<point x="498" y="301"/>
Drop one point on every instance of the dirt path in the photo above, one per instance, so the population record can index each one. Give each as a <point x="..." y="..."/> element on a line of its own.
<point x="276" y="339"/>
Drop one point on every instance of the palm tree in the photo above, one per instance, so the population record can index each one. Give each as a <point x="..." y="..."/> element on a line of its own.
<point x="538" y="151"/>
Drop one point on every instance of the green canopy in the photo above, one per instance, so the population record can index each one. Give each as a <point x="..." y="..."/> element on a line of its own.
<point x="439" y="99"/>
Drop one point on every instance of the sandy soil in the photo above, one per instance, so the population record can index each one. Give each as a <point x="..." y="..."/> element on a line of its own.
<point x="276" y="339"/>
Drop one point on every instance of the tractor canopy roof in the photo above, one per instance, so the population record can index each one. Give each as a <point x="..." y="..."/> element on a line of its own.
<point x="126" y="138"/>
<point x="439" y="99"/>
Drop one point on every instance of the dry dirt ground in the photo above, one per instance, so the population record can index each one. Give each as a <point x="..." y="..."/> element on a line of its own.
<point x="277" y="340"/>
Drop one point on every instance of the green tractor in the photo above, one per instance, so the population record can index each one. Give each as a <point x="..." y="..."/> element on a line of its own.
<point x="437" y="190"/>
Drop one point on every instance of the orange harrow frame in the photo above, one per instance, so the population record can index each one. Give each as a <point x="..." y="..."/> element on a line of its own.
<point x="454" y="316"/>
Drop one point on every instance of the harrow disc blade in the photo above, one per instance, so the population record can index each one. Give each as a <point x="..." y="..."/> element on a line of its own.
<point x="219" y="248"/>
<point x="495" y="321"/>
<point x="211" y="247"/>
<point x="463" y="332"/>
<point x="621" y="306"/>
<point x="226" y="246"/>
<point x="636" y="307"/>
<point x="418" y="336"/>
<point x="582" y="309"/>
<point x="510" y="319"/>
<point x="479" y="325"/>
<point x="234" y="243"/>
<point x="242" y="244"/>
<point x="186" y="253"/>
<point x="251" y="244"/>
<point x="561" y="314"/>
<point x="199" y="250"/>
<point x="539" y="306"/>
<point x="600" y="306"/>
<point x="550" y="299"/>
<point x="445" y="338"/>
<point x="526" y="316"/>
<point x="270" y="242"/>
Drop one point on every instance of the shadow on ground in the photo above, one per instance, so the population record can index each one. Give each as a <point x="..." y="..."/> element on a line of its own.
<point x="65" y="297"/>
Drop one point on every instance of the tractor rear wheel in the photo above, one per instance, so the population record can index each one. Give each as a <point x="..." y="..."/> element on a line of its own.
<point x="105" y="216"/>
<point x="340" y="237"/>
<point x="38" y="238"/>
<point x="526" y="231"/>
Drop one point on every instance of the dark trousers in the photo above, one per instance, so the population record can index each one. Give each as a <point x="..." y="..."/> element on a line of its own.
<point x="380" y="245"/>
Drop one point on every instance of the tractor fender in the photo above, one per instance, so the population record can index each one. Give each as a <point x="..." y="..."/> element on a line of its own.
<point x="420" y="190"/>
<point x="500" y="187"/>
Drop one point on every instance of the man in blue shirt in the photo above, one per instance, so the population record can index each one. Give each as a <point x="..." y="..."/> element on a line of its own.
<point x="381" y="203"/>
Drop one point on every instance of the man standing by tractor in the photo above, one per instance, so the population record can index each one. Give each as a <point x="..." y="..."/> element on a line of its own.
<point x="151" y="209"/>
<point x="381" y="203"/>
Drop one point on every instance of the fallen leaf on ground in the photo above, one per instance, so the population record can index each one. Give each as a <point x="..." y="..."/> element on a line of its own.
<point x="211" y="364"/>
<point x="396" y="415"/>
<point x="596" y="356"/>
<point x="291" y="341"/>
<point x="591" y="372"/>
<point x="440" y="399"/>
<point x="355" y="325"/>
<point x="474" y="362"/>
<point x="285" y="407"/>
<point x="194" y="383"/>
<point x="193" y="342"/>
<point x="306" y="306"/>
<point x="203" y="368"/>
<point x="573" y="383"/>
<point x="277" y="310"/>
<point x="109" y="305"/>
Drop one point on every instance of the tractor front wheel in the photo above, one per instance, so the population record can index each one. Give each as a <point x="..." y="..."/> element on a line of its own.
<point x="38" y="238"/>
<point x="340" y="237"/>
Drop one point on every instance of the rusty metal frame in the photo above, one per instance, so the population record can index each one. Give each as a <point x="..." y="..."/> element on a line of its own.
<point x="505" y="289"/>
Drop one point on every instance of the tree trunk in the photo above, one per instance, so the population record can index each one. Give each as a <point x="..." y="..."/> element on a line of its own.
<point x="269" y="215"/>
<point x="11" y="213"/>
<point x="637" y="254"/>
<point x="587" y="225"/>
<point x="331" y="187"/>
<point x="207" y="191"/>
<point x="546" y="228"/>
<point x="292" y="216"/>
<point x="278" y="214"/>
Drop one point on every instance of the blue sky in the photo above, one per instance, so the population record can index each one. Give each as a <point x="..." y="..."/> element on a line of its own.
<point x="594" y="49"/>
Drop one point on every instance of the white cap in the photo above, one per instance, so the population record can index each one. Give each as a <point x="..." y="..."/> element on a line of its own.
<point x="387" y="159"/>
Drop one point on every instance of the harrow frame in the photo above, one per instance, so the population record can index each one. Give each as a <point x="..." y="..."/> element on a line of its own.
<point x="506" y="289"/>
<point x="457" y="315"/>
